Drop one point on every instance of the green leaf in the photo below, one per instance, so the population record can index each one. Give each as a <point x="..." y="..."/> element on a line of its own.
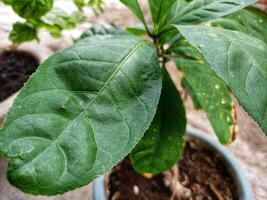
<point x="162" y="145"/>
<point x="204" y="10"/>
<point x="251" y="21"/>
<point x="99" y="29"/>
<point x="161" y="10"/>
<point x="213" y="96"/>
<point x="137" y="30"/>
<point x="82" y="111"/>
<point x="96" y="5"/>
<point x="134" y="6"/>
<point x="79" y="3"/>
<point x="191" y="93"/>
<point x="22" y="32"/>
<point x="32" y="9"/>
<point x="240" y="60"/>
<point x="8" y="2"/>
<point x="58" y="17"/>
<point x="167" y="34"/>
<point x="181" y="4"/>
<point x="182" y="48"/>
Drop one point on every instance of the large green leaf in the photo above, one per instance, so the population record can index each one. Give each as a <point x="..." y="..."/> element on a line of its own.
<point x="251" y="21"/>
<point x="134" y="6"/>
<point x="204" y="10"/>
<point x="162" y="145"/>
<point x="31" y="9"/>
<point x="82" y="111"/>
<point x="161" y="10"/>
<point x="213" y="96"/>
<point x="240" y="60"/>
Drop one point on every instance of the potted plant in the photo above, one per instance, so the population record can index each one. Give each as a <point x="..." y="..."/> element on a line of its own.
<point x="110" y="95"/>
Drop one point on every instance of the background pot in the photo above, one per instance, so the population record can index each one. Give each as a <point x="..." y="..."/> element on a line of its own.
<point x="243" y="186"/>
<point x="40" y="52"/>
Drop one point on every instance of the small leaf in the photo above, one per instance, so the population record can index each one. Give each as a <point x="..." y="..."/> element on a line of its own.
<point x="58" y="17"/>
<point x="137" y="30"/>
<point x="32" y="9"/>
<point x="79" y="3"/>
<point x="161" y="10"/>
<point x="251" y="21"/>
<point x="238" y="59"/>
<point x="134" y="6"/>
<point x="22" y="32"/>
<point x="204" y="10"/>
<point x="213" y="95"/>
<point x="82" y="111"/>
<point x="162" y="145"/>
<point x="99" y="29"/>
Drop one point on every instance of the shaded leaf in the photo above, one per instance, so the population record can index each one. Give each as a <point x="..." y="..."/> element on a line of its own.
<point x="82" y="111"/>
<point x="162" y="145"/>
<point x="191" y="93"/>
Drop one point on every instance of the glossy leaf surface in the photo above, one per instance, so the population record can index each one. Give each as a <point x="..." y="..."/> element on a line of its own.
<point x="82" y="111"/>
<point x="240" y="60"/>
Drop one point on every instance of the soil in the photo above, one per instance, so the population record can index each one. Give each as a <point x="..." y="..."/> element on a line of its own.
<point x="126" y="184"/>
<point x="205" y="174"/>
<point x="15" y="69"/>
<point x="201" y="171"/>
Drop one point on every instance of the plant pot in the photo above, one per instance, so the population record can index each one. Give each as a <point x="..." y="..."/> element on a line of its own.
<point x="39" y="52"/>
<point x="244" y="189"/>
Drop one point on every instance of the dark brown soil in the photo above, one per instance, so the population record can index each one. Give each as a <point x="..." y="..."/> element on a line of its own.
<point x="126" y="184"/>
<point x="200" y="170"/>
<point x="205" y="174"/>
<point x="15" y="68"/>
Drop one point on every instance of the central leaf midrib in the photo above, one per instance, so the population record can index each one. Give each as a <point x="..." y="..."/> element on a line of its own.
<point x="105" y="85"/>
<point x="138" y="45"/>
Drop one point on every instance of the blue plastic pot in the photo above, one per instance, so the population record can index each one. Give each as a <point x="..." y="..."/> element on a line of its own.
<point x="243" y="185"/>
